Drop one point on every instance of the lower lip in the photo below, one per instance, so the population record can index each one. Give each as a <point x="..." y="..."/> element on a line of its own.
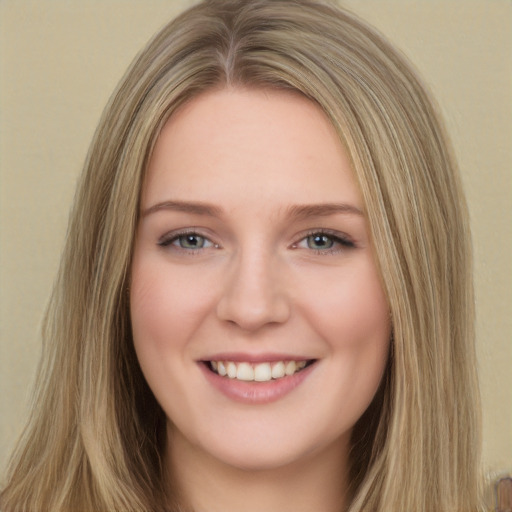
<point x="256" y="392"/>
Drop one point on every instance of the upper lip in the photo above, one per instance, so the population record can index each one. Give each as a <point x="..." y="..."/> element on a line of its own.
<point x="238" y="357"/>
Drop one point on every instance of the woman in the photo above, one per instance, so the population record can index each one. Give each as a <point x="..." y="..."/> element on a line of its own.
<point x="263" y="233"/>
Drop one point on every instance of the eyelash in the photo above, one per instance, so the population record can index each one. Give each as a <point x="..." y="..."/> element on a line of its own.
<point x="340" y="242"/>
<point x="168" y="240"/>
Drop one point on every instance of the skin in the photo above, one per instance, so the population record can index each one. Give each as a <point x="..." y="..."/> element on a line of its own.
<point x="259" y="285"/>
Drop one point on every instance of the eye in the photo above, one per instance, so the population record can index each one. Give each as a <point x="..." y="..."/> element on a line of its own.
<point x="319" y="241"/>
<point x="191" y="241"/>
<point x="186" y="241"/>
<point x="324" y="242"/>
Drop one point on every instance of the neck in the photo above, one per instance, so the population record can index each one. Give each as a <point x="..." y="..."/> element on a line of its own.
<point x="205" y="484"/>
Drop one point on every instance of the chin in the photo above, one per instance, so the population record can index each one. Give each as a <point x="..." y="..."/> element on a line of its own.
<point x="265" y="450"/>
<point x="258" y="460"/>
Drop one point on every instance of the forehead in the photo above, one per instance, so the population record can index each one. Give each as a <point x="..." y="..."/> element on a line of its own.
<point x="245" y="143"/>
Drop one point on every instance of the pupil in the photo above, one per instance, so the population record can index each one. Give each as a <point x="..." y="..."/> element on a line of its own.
<point x="320" y="242"/>
<point x="191" y="241"/>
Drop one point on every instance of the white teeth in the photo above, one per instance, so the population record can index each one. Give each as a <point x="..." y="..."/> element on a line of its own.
<point x="244" y="372"/>
<point x="278" y="370"/>
<point x="260" y="372"/>
<point x="231" y="369"/>
<point x="290" y="368"/>
<point x="221" y="369"/>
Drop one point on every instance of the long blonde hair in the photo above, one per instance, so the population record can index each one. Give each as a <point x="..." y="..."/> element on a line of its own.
<point x="94" y="440"/>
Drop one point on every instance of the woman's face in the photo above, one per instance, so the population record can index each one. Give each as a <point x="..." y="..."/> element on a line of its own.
<point x="253" y="258"/>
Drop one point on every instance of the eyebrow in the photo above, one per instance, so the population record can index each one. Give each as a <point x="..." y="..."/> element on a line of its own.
<point x="196" y="208"/>
<point x="299" y="212"/>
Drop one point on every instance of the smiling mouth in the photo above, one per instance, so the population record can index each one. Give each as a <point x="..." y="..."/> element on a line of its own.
<point x="257" y="372"/>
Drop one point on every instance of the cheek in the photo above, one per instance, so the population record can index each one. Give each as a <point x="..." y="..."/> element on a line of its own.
<point x="162" y="299"/>
<point x="358" y="335"/>
<point x="167" y="308"/>
<point x="351" y="314"/>
<point x="349" y="308"/>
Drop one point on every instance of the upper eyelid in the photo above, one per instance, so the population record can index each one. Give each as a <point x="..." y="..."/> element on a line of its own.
<point x="170" y="236"/>
<point x="193" y="230"/>
<point x="342" y="241"/>
<point x="329" y="232"/>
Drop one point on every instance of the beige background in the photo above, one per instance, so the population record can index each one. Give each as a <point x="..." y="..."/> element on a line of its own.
<point x="60" y="61"/>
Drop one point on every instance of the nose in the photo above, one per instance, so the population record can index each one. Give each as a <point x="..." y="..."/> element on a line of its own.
<point x="253" y="294"/>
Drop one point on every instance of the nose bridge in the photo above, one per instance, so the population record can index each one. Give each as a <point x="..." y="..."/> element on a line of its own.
<point x="253" y="294"/>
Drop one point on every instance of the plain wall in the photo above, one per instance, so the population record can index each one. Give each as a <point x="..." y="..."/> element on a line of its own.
<point x="60" y="60"/>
